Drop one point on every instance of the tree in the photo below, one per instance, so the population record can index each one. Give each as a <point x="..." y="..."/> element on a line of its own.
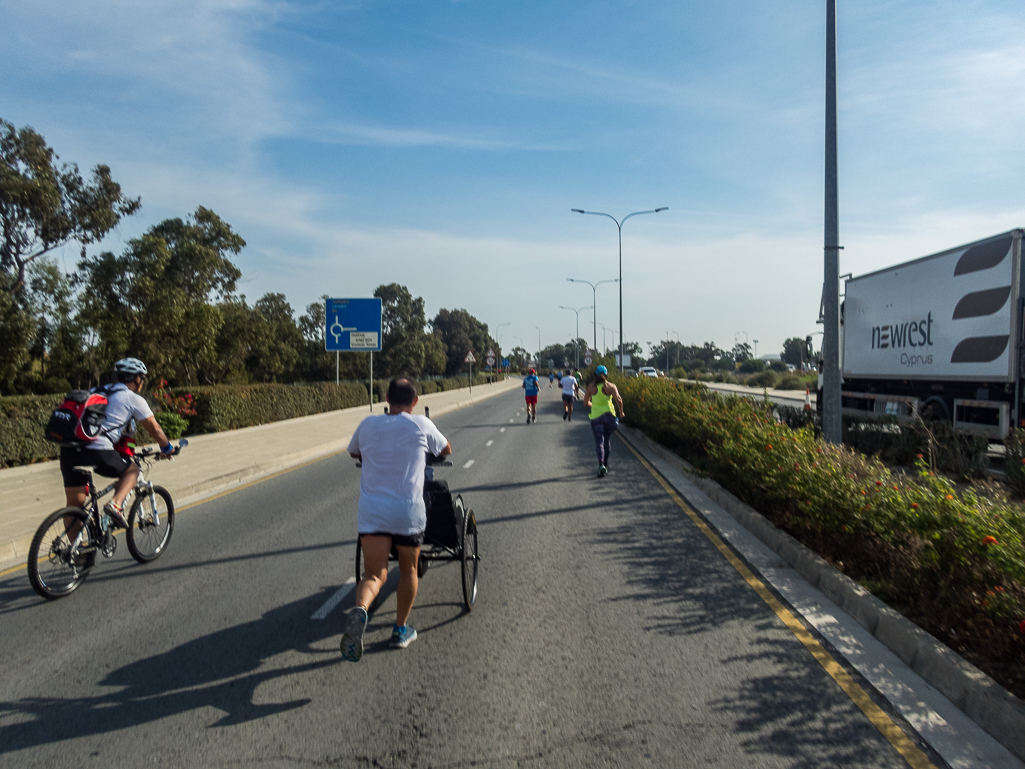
<point x="43" y="206"/>
<point x="403" y="320"/>
<point x="797" y="351"/>
<point x="154" y="301"/>
<point x="461" y="333"/>
<point x="742" y="352"/>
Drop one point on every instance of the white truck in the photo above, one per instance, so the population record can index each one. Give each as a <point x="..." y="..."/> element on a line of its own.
<point x="940" y="336"/>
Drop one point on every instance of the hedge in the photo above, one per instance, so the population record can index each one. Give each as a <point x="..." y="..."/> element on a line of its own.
<point x="952" y="561"/>
<point x="218" y="408"/>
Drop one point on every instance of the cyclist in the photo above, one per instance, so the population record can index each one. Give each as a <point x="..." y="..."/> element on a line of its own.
<point x="570" y="385"/>
<point x="599" y="396"/>
<point x="392" y="448"/>
<point x="532" y="387"/>
<point x="125" y="409"/>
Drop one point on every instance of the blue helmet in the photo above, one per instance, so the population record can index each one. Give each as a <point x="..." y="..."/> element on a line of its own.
<point x="601" y="370"/>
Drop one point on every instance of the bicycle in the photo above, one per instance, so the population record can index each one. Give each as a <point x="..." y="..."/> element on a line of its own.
<point x="63" y="550"/>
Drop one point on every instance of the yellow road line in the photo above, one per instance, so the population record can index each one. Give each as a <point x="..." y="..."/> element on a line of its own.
<point x="218" y="495"/>
<point x="896" y="737"/>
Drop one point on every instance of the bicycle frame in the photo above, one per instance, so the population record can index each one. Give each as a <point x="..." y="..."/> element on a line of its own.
<point x="142" y="486"/>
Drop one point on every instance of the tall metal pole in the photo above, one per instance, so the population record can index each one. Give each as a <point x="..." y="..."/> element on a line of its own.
<point x="371" y="380"/>
<point x="832" y="422"/>
<point x="619" y="226"/>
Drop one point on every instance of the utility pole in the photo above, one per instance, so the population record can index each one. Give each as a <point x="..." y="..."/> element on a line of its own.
<point x="832" y="422"/>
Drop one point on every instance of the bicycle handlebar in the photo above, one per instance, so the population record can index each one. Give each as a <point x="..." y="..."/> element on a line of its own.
<point x="147" y="453"/>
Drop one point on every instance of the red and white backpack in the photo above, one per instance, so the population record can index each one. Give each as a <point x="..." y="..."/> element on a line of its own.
<point x="78" y="420"/>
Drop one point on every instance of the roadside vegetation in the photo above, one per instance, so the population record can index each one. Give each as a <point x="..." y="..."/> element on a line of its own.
<point x="950" y="559"/>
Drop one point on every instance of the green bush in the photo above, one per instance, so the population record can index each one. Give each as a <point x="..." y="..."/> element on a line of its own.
<point x="174" y="426"/>
<point x="954" y="562"/>
<point x="752" y="366"/>
<point x="1014" y="460"/>
<point x="762" y="379"/>
<point x="778" y="366"/>
<point x="791" y="382"/>
<point x="961" y="454"/>
<point x="23" y="421"/>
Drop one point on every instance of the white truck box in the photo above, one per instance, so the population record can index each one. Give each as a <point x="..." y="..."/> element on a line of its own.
<point x="951" y="316"/>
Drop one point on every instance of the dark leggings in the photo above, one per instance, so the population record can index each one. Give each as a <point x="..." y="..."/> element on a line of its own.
<point x="603" y="427"/>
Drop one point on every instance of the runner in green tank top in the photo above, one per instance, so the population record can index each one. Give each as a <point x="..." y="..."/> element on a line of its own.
<point x="599" y="396"/>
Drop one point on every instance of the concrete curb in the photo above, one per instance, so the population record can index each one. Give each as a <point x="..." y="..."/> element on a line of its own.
<point x="983" y="700"/>
<point x="16" y="549"/>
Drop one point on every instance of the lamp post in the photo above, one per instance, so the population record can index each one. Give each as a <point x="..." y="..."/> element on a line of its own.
<point x="832" y="420"/>
<point x="619" y="226"/>
<point x="576" y="342"/>
<point x="538" y="345"/>
<point x="594" y="298"/>
<point x="603" y="348"/>
<point x="678" y="345"/>
<point x="756" y="348"/>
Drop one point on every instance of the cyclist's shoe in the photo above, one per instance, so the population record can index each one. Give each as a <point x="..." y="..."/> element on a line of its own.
<point x="115" y="515"/>
<point x="352" y="638"/>
<point x="401" y="637"/>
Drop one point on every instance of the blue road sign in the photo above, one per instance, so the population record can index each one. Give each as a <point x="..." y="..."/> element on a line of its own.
<point x="505" y="362"/>
<point x="353" y="325"/>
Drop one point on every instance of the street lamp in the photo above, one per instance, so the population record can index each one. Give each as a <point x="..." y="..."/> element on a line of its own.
<point x="576" y="342"/>
<point x="500" y="336"/>
<point x="594" y="298"/>
<point x="678" y="345"/>
<point x="538" y="345"/>
<point x="603" y="347"/>
<point x="756" y="348"/>
<point x="619" y="226"/>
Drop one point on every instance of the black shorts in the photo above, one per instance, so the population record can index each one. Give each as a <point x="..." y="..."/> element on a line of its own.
<point x="106" y="462"/>
<point x="400" y="540"/>
<point x="567" y="398"/>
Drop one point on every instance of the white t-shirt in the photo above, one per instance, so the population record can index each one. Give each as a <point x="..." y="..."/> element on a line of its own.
<point x="391" y="490"/>
<point x="569" y="385"/>
<point x="124" y="409"/>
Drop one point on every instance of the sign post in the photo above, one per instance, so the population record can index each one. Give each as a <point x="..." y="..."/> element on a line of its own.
<point x="490" y="360"/>
<point x="469" y="359"/>
<point x="354" y="325"/>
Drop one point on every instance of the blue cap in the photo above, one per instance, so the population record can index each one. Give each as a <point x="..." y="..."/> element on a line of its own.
<point x="601" y="370"/>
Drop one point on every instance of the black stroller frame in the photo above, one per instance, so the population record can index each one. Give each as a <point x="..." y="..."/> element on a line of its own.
<point x="451" y="533"/>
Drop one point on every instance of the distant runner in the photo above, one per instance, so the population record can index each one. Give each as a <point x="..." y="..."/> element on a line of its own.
<point x="532" y="387"/>
<point x="599" y="396"/>
<point x="569" y="391"/>
<point x="551" y="379"/>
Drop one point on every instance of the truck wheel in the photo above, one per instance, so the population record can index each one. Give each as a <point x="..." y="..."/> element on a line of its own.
<point x="936" y="408"/>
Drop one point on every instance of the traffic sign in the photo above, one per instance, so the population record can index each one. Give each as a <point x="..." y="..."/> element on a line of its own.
<point x="491" y="353"/>
<point x="353" y="325"/>
<point x="469" y="358"/>
<point x="587" y="358"/>
<point x="490" y="360"/>
<point x="505" y="362"/>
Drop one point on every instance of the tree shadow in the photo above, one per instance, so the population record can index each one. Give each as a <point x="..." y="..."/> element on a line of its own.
<point x="221" y="670"/>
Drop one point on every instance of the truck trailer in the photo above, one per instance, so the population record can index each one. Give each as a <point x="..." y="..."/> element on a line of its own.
<point x="939" y="337"/>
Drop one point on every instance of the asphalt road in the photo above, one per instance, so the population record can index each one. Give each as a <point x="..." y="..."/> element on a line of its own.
<point x="608" y="632"/>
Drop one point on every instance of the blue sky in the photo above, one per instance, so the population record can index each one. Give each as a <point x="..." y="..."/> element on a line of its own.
<point x="442" y="144"/>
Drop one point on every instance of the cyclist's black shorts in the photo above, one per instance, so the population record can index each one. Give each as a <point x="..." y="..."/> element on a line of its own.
<point x="401" y="540"/>
<point x="106" y="462"/>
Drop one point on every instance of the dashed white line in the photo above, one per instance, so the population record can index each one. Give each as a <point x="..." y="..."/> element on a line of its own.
<point x="334" y="600"/>
<point x="489" y="443"/>
<point x="468" y="465"/>
<point x="510" y="421"/>
<point x="501" y="429"/>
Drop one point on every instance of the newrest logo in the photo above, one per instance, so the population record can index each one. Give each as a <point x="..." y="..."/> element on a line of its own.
<point x="985" y="256"/>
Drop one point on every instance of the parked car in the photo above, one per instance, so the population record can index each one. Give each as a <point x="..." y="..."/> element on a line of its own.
<point x="648" y="371"/>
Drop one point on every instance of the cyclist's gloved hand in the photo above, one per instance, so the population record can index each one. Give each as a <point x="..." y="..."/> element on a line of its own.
<point x="167" y="450"/>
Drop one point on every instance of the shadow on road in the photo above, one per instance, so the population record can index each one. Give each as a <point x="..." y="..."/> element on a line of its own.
<point x="221" y="670"/>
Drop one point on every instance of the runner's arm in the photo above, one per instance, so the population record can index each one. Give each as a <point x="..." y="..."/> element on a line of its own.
<point x="154" y="429"/>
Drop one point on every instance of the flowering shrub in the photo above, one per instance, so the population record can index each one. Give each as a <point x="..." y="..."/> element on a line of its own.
<point x="954" y="563"/>
<point x="182" y="405"/>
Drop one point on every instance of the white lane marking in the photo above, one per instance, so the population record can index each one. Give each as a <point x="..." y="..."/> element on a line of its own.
<point x="501" y="429"/>
<point x="489" y="443"/>
<point x="510" y="421"/>
<point x="468" y="465"/>
<point x="334" y="600"/>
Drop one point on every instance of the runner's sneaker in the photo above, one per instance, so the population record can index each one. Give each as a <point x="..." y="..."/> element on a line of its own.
<point x="352" y="638"/>
<point x="401" y="637"/>
<point x="528" y="419"/>
<point x="115" y="515"/>
<point x="602" y="471"/>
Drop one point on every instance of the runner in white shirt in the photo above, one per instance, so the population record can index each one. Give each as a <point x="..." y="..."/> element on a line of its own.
<point x="392" y="448"/>
<point x="569" y="392"/>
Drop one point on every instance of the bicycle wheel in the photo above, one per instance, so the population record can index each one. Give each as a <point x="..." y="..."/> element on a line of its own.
<point x="53" y="569"/>
<point x="147" y="538"/>
<point x="470" y="559"/>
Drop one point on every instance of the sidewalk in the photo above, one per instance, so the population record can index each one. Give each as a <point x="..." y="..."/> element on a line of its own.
<point x="212" y="463"/>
